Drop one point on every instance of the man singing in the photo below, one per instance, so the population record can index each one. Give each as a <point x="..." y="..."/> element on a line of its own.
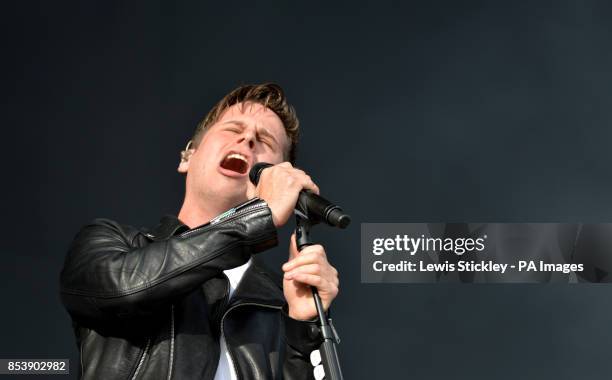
<point x="184" y="300"/>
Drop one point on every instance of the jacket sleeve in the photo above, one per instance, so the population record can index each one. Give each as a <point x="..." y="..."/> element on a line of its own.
<point x="301" y="338"/>
<point x="105" y="278"/>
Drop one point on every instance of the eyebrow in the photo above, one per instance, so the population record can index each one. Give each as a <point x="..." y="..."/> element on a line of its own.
<point x="262" y="130"/>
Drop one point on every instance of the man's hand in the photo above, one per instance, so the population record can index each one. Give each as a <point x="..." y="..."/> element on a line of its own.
<point x="306" y="268"/>
<point x="280" y="186"/>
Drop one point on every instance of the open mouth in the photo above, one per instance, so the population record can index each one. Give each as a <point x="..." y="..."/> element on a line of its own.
<point x="235" y="162"/>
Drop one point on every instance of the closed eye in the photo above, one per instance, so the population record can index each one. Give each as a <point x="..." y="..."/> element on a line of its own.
<point x="233" y="130"/>
<point x="267" y="141"/>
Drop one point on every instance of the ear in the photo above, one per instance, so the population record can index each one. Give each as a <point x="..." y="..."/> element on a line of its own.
<point x="185" y="156"/>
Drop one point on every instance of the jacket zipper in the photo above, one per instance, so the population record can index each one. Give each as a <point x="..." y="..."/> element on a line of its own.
<point x="229" y="349"/>
<point x="81" y="359"/>
<point x="146" y="349"/>
<point x="171" y="342"/>
<point x="142" y="358"/>
<point x="226" y="216"/>
<point x="229" y="214"/>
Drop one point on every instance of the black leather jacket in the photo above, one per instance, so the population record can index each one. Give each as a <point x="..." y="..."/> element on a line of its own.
<point x="152" y="304"/>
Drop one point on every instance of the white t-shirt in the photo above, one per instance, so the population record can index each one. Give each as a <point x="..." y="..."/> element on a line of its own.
<point x="225" y="369"/>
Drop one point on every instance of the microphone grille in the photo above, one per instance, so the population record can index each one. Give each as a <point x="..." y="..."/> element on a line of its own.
<point x="256" y="171"/>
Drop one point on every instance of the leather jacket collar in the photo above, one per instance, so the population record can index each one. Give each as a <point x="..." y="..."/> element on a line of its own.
<point x="257" y="285"/>
<point x="169" y="225"/>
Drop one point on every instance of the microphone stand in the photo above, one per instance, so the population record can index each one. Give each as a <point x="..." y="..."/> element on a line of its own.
<point x="329" y="354"/>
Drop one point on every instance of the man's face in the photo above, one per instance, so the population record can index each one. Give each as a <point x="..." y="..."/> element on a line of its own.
<point x="243" y="136"/>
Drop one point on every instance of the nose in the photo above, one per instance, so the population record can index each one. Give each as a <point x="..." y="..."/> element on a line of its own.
<point x="247" y="137"/>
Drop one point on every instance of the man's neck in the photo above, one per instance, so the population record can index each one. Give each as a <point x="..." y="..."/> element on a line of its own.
<point x="194" y="214"/>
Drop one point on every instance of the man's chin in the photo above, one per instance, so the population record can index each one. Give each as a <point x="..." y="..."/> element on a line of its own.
<point x="233" y="196"/>
<point x="226" y="192"/>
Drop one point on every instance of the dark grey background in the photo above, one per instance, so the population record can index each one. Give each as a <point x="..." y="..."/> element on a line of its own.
<point x="428" y="111"/>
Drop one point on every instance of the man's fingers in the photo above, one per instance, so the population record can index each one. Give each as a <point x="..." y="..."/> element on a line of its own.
<point x="308" y="269"/>
<point x="318" y="282"/>
<point x="314" y="269"/>
<point x="285" y="164"/>
<point x="312" y="187"/>
<point x="308" y="183"/>
<point x="303" y="179"/>
<point x="310" y="279"/>
<point x="315" y="249"/>
<point x="309" y="255"/>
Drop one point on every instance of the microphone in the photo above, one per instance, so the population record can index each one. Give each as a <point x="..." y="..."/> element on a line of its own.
<point x="315" y="207"/>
